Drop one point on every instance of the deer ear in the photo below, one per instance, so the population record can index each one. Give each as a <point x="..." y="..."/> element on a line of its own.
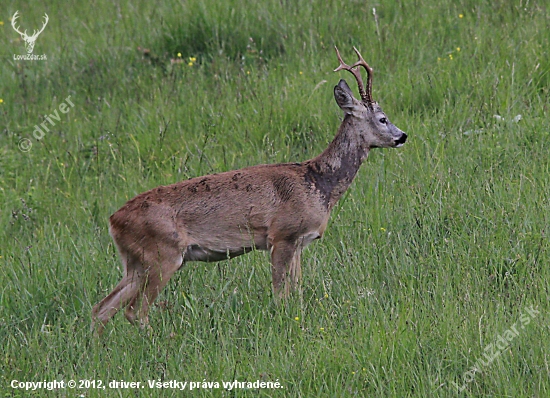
<point x="345" y="100"/>
<point x="344" y="86"/>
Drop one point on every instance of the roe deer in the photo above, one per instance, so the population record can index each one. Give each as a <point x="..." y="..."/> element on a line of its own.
<point x="279" y="207"/>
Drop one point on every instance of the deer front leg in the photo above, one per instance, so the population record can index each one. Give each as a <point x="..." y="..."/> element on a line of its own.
<point x="296" y="269"/>
<point x="285" y="267"/>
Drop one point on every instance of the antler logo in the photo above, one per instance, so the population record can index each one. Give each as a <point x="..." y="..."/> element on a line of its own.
<point x="29" y="40"/>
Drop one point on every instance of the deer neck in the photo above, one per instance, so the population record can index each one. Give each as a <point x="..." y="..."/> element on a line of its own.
<point x="333" y="171"/>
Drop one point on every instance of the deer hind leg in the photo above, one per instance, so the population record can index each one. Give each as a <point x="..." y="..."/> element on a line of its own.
<point x="285" y="267"/>
<point x="129" y="286"/>
<point x="157" y="278"/>
<point x="148" y="267"/>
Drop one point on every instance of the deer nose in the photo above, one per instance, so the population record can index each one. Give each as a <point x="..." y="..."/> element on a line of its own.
<point x="401" y="140"/>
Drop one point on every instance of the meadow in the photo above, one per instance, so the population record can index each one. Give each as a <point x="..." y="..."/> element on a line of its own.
<point x="433" y="276"/>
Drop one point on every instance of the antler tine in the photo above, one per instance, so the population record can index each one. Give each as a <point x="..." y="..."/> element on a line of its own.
<point x="46" y="19"/>
<point x="370" y="72"/>
<point x="354" y="72"/>
<point x="13" y="21"/>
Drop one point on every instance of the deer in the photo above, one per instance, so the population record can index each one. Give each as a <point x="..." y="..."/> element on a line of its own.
<point x="29" y="40"/>
<point x="280" y="208"/>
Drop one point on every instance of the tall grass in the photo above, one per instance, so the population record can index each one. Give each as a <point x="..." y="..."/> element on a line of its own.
<point x="437" y="249"/>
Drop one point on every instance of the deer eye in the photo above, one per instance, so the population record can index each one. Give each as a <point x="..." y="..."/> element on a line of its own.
<point x="383" y="120"/>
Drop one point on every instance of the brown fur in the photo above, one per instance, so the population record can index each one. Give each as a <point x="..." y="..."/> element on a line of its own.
<point x="280" y="208"/>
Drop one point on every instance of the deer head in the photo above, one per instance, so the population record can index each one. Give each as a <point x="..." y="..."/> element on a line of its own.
<point x="371" y="122"/>
<point x="29" y="40"/>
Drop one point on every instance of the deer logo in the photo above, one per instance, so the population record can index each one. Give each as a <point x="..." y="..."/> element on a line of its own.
<point x="29" y="40"/>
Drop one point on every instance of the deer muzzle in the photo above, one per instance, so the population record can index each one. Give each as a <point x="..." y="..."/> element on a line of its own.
<point x="400" y="140"/>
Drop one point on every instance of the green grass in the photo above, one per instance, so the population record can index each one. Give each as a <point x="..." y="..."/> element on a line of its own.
<point x="437" y="249"/>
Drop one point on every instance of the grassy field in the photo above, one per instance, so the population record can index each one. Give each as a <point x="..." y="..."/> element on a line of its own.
<point x="433" y="276"/>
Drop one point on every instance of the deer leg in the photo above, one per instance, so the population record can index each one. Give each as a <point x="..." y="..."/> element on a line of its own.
<point x="157" y="278"/>
<point x="283" y="266"/>
<point x="128" y="287"/>
<point x="296" y="269"/>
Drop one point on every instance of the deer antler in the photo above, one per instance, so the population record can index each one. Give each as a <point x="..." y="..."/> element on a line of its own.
<point x="15" y="16"/>
<point x="46" y="19"/>
<point x="36" y="33"/>
<point x="365" y="96"/>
